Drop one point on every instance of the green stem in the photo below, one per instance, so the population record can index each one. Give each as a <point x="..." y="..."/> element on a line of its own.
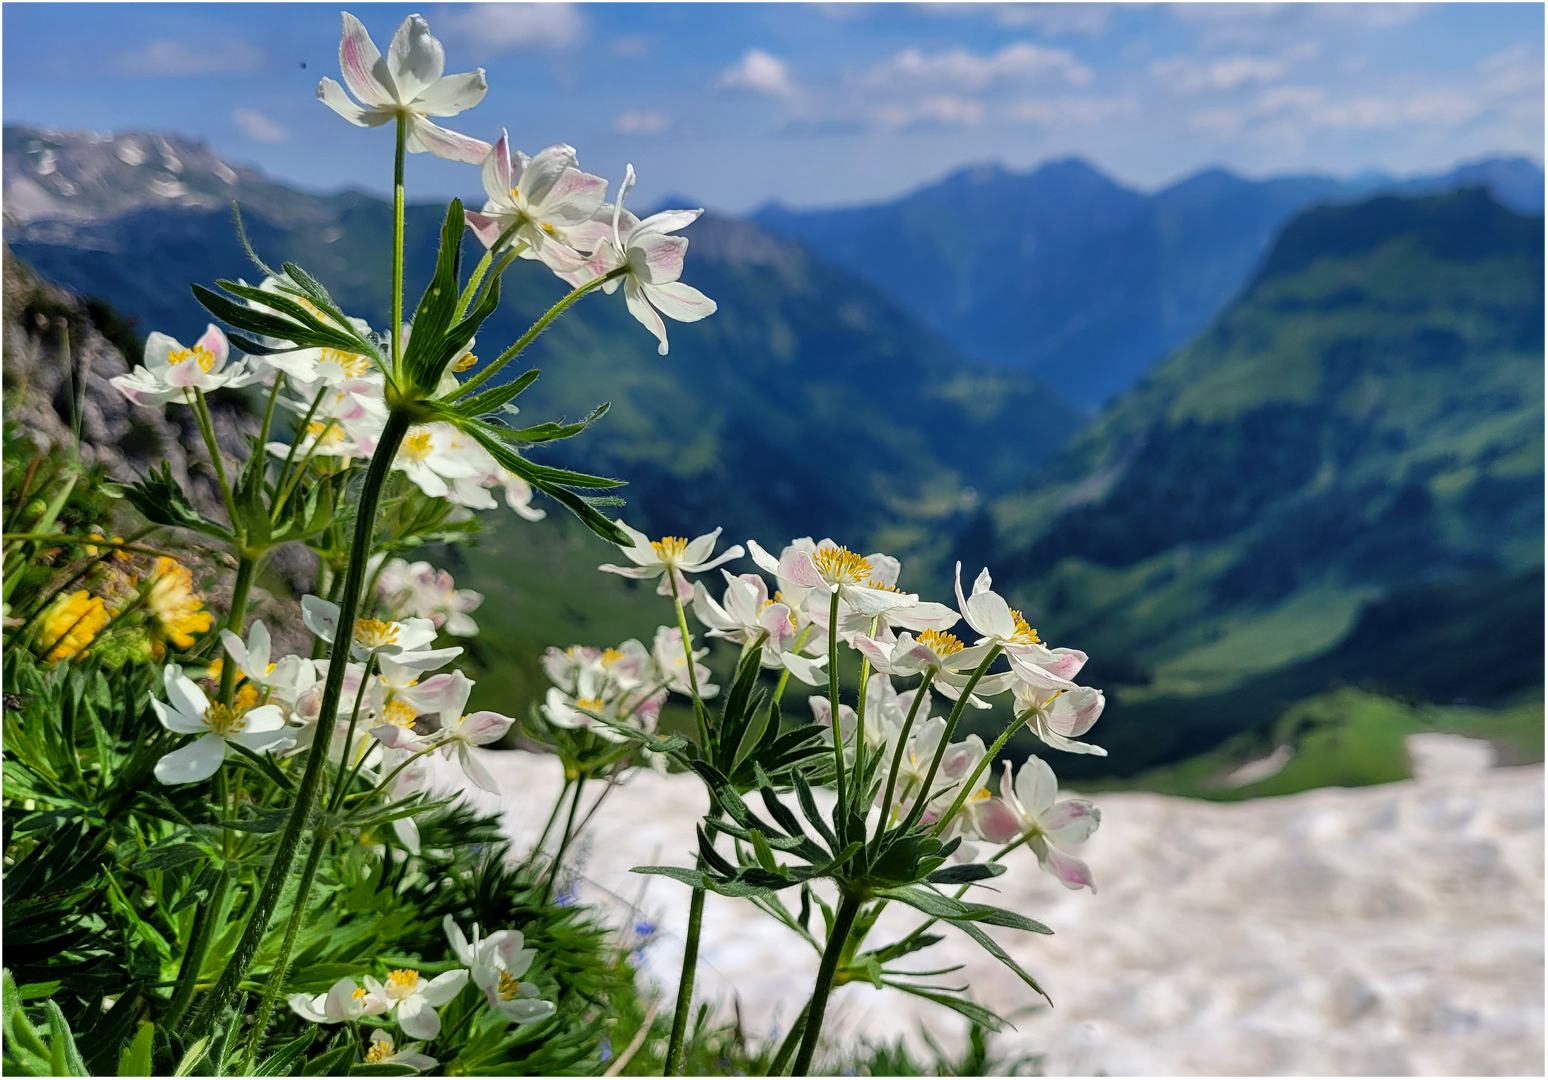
<point x="967" y="788"/>
<point x="865" y="678"/>
<point x="207" y="429"/>
<point x="199" y="940"/>
<point x="247" y="569"/>
<point x="923" y="798"/>
<point x="833" y="718"/>
<point x="786" y="1048"/>
<point x="564" y="839"/>
<point x="482" y="268"/>
<point x="282" y="965"/>
<point x="674" y="1054"/>
<point x="553" y="816"/>
<point x="306" y="791"/>
<point x="843" y="920"/>
<point x="397" y="252"/>
<point x="531" y="335"/>
<point x="700" y="714"/>
<point x="337" y="798"/>
<point x="902" y="748"/>
<point x="296" y="436"/>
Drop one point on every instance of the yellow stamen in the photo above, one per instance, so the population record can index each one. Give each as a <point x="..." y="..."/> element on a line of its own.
<point x="465" y="361"/>
<point x="611" y="657"/>
<point x="669" y="549"/>
<point x="354" y="364"/>
<point x="380" y="1051"/>
<point x="417" y="447"/>
<point x="400" y="714"/>
<point x="941" y="644"/>
<point x="401" y="982"/>
<point x="359" y="993"/>
<point x="373" y="633"/>
<point x="1024" y="633"/>
<point x="225" y="719"/>
<point x="840" y="565"/>
<point x="199" y="354"/>
<point x="980" y="795"/>
<point x="509" y="987"/>
<point x="594" y="704"/>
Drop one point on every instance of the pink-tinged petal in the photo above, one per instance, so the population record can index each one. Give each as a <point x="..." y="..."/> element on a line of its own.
<point x="562" y="259"/>
<point x="681" y="302"/>
<point x="418" y="1018"/>
<point x="475" y="771"/>
<point x="997" y="823"/>
<point x="798" y="568"/>
<point x="453" y="94"/>
<point x="544" y="171"/>
<point x="1035" y="675"/>
<point x="197" y="761"/>
<point x="1036" y="786"/>
<point x="925" y="615"/>
<point x="708" y="612"/>
<point x="880" y="658"/>
<point x="361" y="64"/>
<point x="634" y="298"/>
<point x="1072" y="872"/>
<point x="397" y="738"/>
<point x="1066" y="662"/>
<point x="1070" y="822"/>
<point x="488" y="229"/>
<point x="573" y="199"/>
<point x="1075" y="711"/>
<point x="668" y="221"/>
<point x="444" y="987"/>
<point x="482" y="728"/>
<point x="675" y="578"/>
<point x="188" y="375"/>
<point x="495" y="169"/>
<point x="415" y="58"/>
<point x="638" y="572"/>
<point x="215" y="342"/>
<point x="656" y="260"/>
<point x="776" y="620"/>
<point x="451" y="145"/>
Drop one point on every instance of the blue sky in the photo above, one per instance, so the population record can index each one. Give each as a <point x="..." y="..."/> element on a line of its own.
<point x="819" y="104"/>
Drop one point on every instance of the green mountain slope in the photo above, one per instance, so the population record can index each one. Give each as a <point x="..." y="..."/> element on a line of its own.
<point x="808" y="404"/>
<point x="1363" y="424"/>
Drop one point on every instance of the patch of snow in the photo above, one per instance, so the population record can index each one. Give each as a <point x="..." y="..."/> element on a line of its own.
<point x="1261" y="769"/>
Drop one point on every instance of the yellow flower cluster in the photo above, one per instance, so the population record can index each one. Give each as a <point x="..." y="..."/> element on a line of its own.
<point x="71" y="624"/>
<point x="173" y="611"/>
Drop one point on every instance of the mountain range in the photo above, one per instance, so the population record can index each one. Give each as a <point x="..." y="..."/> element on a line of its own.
<point x="1067" y="274"/>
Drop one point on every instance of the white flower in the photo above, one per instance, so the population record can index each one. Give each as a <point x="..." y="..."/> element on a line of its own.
<point x="652" y="261"/>
<point x="1000" y="624"/>
<point x="382" y="1052"/>
<point x="286" y="679"/>
<point x="171" y="372"/>
<point x="547" y="204"/>
<point x="621" y="684"/>
<point x="308" y="366"/>
<point x="402" y="641"/>
<point x="416" y="998"/>
<point x="498" y="962"/>
<point x="828" y="569"/>
<point x="518" y="495"/>
<point x="458" y="731"/>
<point x="958" y="761"/>
<point x="419" y="590"/>
<point x="748" y="615"/>
<point x="1028" y="809"/>
<point x="667" y="650"/>
<point x="189" y="712"/>
<point x="669" y="559"/>
<point x="344" y="1002"/>
<point x="941" y="657"/>
<point x="407" y="84"/>
<point x="433" y="454"/>
<point x="1057" y="717"/>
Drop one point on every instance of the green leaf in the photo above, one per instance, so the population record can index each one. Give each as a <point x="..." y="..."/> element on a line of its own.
<point x="136" y="1058"/>
<point x="686" y="875"/>
<point x="382" y="1068"/>
<point x="964" y="873"/>
<point x="809" y="808"/>
<point x="551" y="431"/>
<point x="927" y="901"/>
<point x="264" y="764"/>
<point x="992" y="947"/>
<point x="324" y="1064"/>
<point x="262" y="821"/>
<point x="764" y="854"/>
<point x="192" y="1058"/>
<point x="974" y="1012"/>
<point x="493" y="400"/>
<point x="64" y="1058"/>
<point x="160" y="500"/>
<point x="283" y="1061"/>
<point x="166" y="857"/>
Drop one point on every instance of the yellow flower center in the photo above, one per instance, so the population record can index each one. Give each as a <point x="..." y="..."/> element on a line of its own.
<point x="373" y="633"/>
<point x="401" y="983"/>
<point x="225" y="720"/>
<point x="980" y="795"/>
<point x="611" y="657"/>
<point x="669" y="549"/>
<point x="354" y="364"/>
<point x="941" y="644"/>
<point x="380" y="1051"/>
<point x="841" y="566"/>
<point x="1024" y="633"/>
<point x="465" y="361"/>
<point x="416" y="447"/>
<point x="325" y="433"/>
<point x="399" y="714"/>
<point x="594" y="704"/>
<point x="510" y="986"/>
<point x="359" y="993"/>
<point x="198" y="354"/>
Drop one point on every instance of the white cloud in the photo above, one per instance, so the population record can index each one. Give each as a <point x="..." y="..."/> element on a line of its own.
<point x="761" y="73"/>
<point x="1512" y="71"/>
<point x="945" y="109"/>
<point x="258" y="127"/>
<point x="968" y="72"/>
<point x="1070" y="111"/>
<point x="175" y="58"/>
<point x="632" y="45"/>
<point x="1187" y="75"/>
<point x="501" y="28"/>
<point x="1089" y="20"/>
<point x="1266" y="23"/>
<point x="1294" y="111"/>
<point x="642" y="123"/>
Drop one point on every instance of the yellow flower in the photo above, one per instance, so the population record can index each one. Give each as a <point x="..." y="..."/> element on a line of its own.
<point x="176" y="612"/>
<point x="71" y="624"/>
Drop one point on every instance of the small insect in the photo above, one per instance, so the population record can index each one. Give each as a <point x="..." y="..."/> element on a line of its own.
<point x="303" y="65"/>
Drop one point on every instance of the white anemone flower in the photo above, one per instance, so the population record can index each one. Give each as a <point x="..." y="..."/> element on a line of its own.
<point x="1000" y="624"/>
<point x="287" y="678"/>
<point x="408" y="83"/>
<point x="498" y="962"/>
<point x="459" y="731"/>
<point x="747" y="614"/>
<point x="1027" y="808"/>
<point x="667" y="651"/>
<point x="343" y="1002"/>
<point x="669" y="559"/>
<point x="547" y="204"/>
<point x="421" y="591"/>
<point x="434" y="458"/>
<point x="1059" y="716"/>
<point x="189" y="712"/>
<point x="403" y="641"/>
<point x="383" y="1051"/>
<point x="958" y="761"/>
<point x="620" y="684"/>
<point x="939" y="656"/>
<point x="172" y="372"/>
<point x="518" y="495"/>
<point x="652" y="261"/>
<point x="830" y="569"/>
<point x="413" y="998"/>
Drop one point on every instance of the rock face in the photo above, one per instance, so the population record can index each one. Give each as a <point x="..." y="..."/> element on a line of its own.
<point x="124" y="439"/>
<point x="1395" y="929"/>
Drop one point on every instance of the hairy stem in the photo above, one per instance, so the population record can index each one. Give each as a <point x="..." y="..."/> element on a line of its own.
<point x="207" y="429"/>
<point x="987" y="762"/>
<point x="564" y="839"/>
<point x="397" y="252"/>
<point x="674" y="1054"/>
<point x="843" y="920"/>
<point x="282" y="965"/>
<point x="247" y="569"/>
<point x="199" y="940"/>
<point x="902" y="748"/>
<point x="833" y="717"/>
<point x="940" y="748"/>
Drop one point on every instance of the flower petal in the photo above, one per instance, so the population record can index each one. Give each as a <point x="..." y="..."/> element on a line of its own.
<point x="415" y="59"/>
<point x="1070" y="822"/>
<point x="361" y="65"/>
<point x="1036" y="786"/>
<point x="418" y="1018"/>
<point x="639" y="307"/>
<point x="450" y="145"/>
<point x="443" y="988"/>
<point x="681" y="302"/>
<point x="453" y="94"/>
<point x="197" y="761"/>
